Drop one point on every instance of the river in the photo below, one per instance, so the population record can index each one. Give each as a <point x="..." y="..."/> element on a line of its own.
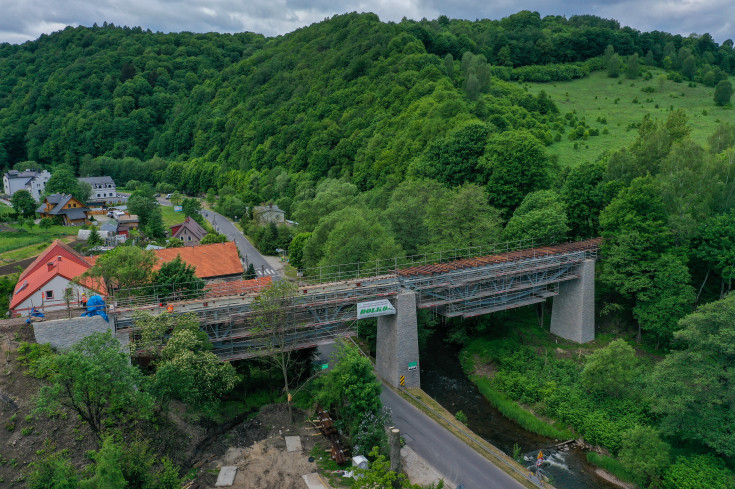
<point x="443" y="379"/>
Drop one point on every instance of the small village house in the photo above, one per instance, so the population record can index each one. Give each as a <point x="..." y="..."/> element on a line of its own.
<point x="43" y="282"/>
<point x="103" y="189"/>
<point x="65" y="208"/>
<point x="268" y="213"/>
<point x="31" y="180"/>
<point x="189" y="232"/>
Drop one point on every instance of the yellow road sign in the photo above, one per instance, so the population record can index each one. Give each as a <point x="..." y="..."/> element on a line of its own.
<point x="403" y="380"/>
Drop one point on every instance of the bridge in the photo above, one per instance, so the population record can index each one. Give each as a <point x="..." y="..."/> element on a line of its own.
<point x="463" y="283"/>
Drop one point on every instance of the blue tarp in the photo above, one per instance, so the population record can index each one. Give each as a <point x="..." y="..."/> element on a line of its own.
<point x="35" y="313"/>
<point x="96" y="307"/>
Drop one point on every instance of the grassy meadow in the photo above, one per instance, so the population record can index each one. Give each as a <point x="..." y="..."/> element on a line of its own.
<point x="623" y="103"/>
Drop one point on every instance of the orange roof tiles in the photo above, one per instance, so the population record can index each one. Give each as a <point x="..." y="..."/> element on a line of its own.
<point x="211" y="260"/>
<point x="237" y="287"/>
<point x="57" y="248"/>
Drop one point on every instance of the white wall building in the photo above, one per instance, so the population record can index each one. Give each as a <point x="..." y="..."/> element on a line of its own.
<point x="103" y="188"/>
<point x="32" y="181"/>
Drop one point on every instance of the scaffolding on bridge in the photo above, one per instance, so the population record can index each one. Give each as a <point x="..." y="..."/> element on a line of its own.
<point x="469" y="286"/>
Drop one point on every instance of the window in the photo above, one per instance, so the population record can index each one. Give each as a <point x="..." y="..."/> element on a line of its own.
<point x="181" y="238"/>
<point x="49" y="294"/>
<point x="189" y="238"/>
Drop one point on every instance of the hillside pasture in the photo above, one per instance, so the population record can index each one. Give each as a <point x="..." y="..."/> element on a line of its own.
<point x="623" y="103"/>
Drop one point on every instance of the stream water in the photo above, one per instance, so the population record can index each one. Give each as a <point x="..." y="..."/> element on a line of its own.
<point x="443" y="379"/>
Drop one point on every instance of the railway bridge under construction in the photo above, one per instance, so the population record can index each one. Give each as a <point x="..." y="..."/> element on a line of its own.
<point x="330" y="300"/>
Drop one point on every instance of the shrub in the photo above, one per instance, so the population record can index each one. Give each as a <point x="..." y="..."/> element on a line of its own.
<point x="696" y="472"/>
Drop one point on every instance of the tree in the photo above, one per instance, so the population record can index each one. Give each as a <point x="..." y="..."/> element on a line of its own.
<point x="610" y="369"/>
<point x="448" y="225"/>
<point x="94" y="238"/>
<point x="691" y="389"/>
<point x="213" y="238"/>
<point x="177" y="280"/>
<point x="193" y="208"/>
<point x="46" y="223"/>
<point x="540" y="216"/>
<point x="515" y="163"/>
<point x="634" y="225"/>
<point x="250" y="272"/>
<point x="154" y="227"/>
<point x="723" y="92"/>
<point x="176" y="198"/>
<point x="643" y="453"/>
<point x="669" y="298"/>
<point x="352" y="392"/>
<point x="23" y="203"/>
<point x="125" y="267"/>
<point x="633" y="67"/>
<point x="143" y="206"/>
<point x="613" y="66"/>
<point x="95" y="379"/>
<point x="274" y="326"/>
<point x="296" y="250"/>
<point x="583" y="195"/>
<point x="68" y="298"/>
<point x="717" y="248"/>
<point x="190" y="372"/>
<point x="63" y="181"/>
<point x="108" y="470"/>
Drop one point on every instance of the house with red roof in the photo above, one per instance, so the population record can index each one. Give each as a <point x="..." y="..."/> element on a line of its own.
<point x="189" y="232"/>
<point x="43" y="282"/>
<point x="216" y="262"/>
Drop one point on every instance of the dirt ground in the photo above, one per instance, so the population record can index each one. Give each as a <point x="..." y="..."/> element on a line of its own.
<point x="258" y="449"/>
<point x="22" y="432"/>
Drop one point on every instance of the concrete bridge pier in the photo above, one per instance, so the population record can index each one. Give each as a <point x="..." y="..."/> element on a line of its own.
<point x="573" y="312"/>
<point x="398" y="343"/>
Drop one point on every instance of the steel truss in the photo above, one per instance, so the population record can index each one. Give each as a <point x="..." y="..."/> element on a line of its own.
<point x="467" y="287"/>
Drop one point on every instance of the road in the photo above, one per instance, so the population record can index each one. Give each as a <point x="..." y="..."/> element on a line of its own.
<point x="224" y="226"/>
<point x="449" y="455"/>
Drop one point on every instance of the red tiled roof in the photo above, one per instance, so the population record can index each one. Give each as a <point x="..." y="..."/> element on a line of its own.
<point x="212" y="260"/>
<point x="57" y="248"/>
<point x="39" y="273"/>
<point x="237" y="287"/>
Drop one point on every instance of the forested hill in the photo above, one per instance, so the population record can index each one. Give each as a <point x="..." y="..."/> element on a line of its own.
<point x="349" y="96"/>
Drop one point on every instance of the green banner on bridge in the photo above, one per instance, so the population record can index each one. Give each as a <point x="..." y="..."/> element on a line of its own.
<point x="373" y="309"/>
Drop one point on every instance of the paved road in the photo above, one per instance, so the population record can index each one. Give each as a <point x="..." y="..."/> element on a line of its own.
<point x="449" y="455"/>
<point x="223" y="225"/>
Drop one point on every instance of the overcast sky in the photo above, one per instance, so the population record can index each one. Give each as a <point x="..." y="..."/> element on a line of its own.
<point x="23" y="20"/>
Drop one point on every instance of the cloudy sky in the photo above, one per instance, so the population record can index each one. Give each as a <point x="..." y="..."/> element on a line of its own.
<point x="23" y="20"/>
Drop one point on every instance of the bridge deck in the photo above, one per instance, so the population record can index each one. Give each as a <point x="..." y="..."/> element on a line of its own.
<point x="512" y="256"/>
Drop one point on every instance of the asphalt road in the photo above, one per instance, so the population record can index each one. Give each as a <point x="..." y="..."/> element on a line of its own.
<point x="449" y="455"/>
<point x="224" y="226"/>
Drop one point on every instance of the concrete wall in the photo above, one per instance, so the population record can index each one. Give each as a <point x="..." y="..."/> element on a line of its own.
<point x="63" y="333"/>
<point x="398" y="343"/>
<point x="573" y="312"/>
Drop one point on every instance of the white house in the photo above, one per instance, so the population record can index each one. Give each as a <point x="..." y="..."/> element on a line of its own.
<point x="103" y="188"/>
<point x="43" y="283"/>
<point x="31" y="180"/>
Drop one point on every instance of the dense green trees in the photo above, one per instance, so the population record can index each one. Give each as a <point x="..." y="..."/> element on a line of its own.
<point x="692" y="387"/>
